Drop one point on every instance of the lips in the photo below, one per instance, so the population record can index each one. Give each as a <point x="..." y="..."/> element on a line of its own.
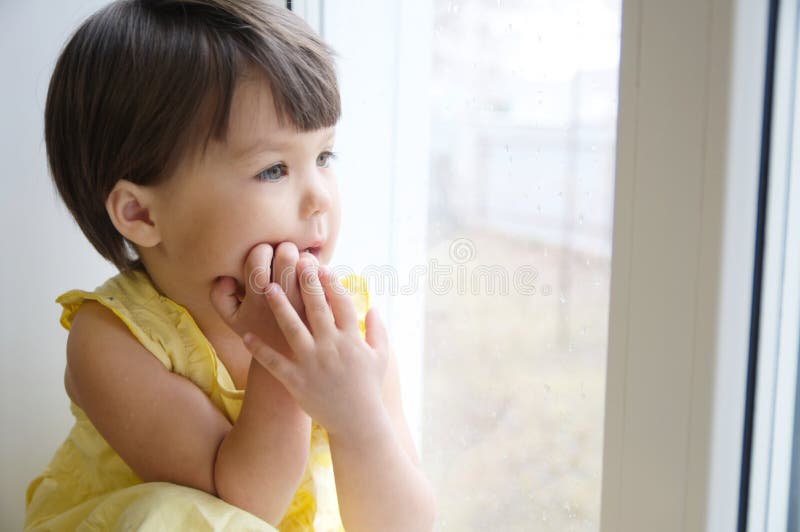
<point x="313" y="250"/>
<point x="312" y="247"/>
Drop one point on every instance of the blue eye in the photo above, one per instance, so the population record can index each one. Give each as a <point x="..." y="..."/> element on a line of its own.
<point x="324" y="159"/>
<point x="273" y="173"/>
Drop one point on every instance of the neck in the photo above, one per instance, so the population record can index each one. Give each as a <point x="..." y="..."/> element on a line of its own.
<point x="194" y="296"/>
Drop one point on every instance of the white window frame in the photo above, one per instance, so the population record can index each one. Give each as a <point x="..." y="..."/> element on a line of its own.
<point x="688" y="153"/>
<point x="776" y="375"/>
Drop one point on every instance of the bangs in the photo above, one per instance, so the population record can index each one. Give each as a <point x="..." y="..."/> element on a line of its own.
<point x="206" y="52"/>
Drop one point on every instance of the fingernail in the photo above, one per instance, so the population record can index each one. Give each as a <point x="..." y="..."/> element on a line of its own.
<point x="248" y="338"/>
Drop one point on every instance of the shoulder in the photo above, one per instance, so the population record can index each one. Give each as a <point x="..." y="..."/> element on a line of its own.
<point x="160" y="423"/>
<point x="100" y="345"/>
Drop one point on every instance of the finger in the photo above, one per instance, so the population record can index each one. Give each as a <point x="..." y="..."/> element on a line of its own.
<point x="294" y="330"/>
<point x="225" y="297"/>
<point x="257" y="270"/>
<point x="376" y="335"/>
<point x="344" y="312"/>
<point x="318" y="312"/>
<point x="277" y="364"/>
<point x="284" y="272"/>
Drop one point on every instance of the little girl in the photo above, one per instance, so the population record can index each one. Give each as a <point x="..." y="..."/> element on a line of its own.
<point x="191" y="141"/>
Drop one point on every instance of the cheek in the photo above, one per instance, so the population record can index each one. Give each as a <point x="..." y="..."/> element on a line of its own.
<point x="335" y="208"/>
<point x="334" y="222"/>
<point x="200" y="232"/>
<point x="230" y="233"/>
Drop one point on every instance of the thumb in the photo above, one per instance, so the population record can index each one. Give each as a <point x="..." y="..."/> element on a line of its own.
<point x="224" y="297"/>
<point x="376" y="335"/>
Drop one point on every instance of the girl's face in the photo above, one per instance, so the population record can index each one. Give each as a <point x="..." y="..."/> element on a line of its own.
<point x="265" y="184"/>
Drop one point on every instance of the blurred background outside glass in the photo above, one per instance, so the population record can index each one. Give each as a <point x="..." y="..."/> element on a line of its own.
<point x="523" y="122"/>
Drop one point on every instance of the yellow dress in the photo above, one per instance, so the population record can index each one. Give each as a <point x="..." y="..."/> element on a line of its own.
<point x="87" y="486"/>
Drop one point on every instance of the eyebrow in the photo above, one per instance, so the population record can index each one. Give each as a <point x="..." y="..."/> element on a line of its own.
<point x="264" y="145"/>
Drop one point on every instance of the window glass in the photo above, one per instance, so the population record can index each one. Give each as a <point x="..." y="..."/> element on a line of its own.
<point x="523" y="122"/>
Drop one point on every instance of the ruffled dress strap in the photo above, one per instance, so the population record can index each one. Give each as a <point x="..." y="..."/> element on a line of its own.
<point x="166" y="329"/>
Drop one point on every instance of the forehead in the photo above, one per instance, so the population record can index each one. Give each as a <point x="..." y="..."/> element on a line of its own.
<point x="252" y="116"/>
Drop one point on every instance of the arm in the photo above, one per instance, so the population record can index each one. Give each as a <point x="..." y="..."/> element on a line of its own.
<point x="166" y="429"/>
<point x="344" y="382"/>
<point x="260" y="462"/>
<point x="379" y="483"/>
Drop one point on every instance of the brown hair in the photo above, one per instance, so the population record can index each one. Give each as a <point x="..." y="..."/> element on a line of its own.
<point x="141" y="81"/>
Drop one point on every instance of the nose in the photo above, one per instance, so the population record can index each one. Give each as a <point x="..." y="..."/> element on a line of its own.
<point x="316" y="194"/>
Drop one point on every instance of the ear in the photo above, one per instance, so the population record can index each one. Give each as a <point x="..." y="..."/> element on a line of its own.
<point x="130" y="208"/>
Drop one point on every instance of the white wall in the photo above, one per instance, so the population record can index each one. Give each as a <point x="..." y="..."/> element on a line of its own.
<point x="44" y="252"/>
<point x="688" y="146"/>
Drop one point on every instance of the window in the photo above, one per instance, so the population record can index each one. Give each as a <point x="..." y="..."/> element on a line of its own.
<point x="478" y="140"/>
<point x="423" y="81"/>
<point x="773" y="466"/>
<point x="523" y="121"/>
<point x="453" y="147"/>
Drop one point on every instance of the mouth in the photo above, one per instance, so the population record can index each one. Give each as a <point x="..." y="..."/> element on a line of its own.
<point x="314" y="249"/>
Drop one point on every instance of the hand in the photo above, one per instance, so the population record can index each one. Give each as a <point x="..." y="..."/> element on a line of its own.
<point x="336" y="376"/>
<point x="248" y="311"/>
